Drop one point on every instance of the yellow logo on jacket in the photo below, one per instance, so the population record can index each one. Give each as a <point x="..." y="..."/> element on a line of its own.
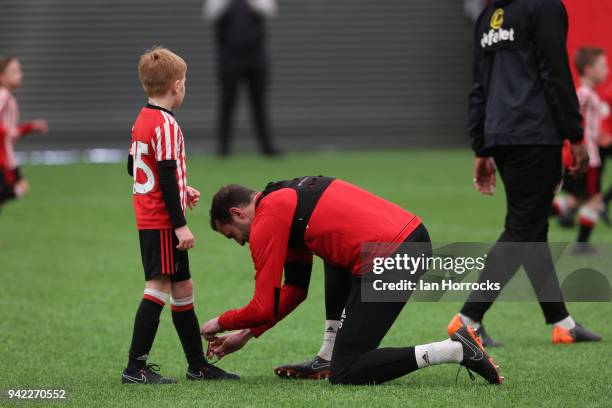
<point x="497" y="19"/>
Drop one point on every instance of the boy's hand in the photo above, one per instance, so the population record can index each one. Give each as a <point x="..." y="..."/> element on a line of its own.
<point x="185" y="237"/>
<point x="40" y="125"/>
<point x="484" y="175"/>
<point x="193" y="196"/>
<point x="21" y="188"/>
<point x="581" y="159"/>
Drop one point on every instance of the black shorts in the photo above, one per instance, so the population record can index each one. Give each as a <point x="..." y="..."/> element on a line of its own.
<point x="583" y="187"/>
<point x="160" y="256"/>
<point x="8" y="179"/>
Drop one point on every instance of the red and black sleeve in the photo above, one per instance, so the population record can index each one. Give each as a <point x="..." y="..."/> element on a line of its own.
<point x="298" y="269"/>
<point x="168" y="185"/>
<point x="130" y="165"/>
<point x="25" y="129"/>
<point x="268" y="243"/>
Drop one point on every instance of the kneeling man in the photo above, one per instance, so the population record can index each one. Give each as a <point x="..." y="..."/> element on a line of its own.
<point x="292" y="220"/>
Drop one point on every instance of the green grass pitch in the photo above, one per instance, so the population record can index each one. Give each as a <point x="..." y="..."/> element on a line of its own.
<point x="71" y="280"/>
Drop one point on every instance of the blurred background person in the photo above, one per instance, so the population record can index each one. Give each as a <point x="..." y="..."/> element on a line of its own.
<point x="605" y="151"/>
<point x="240" y="30"/>
<point x="584" y="192"/>
<point x="12" y="183"/>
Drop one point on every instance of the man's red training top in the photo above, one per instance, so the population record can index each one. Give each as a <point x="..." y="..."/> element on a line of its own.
<point x="345" y="217"/>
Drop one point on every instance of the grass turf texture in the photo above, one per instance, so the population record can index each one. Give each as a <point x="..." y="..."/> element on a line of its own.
<point x="72" y="279"/>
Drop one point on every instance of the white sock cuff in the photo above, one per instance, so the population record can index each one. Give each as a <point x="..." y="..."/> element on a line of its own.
<point x="329" y="338"/>
<point x="331" y="324"/>
<point x="441" y="352"/>
<point x="588" y="214"/>
<point x="568" y="323"/>
<point x="468" y="321"/>
<point x="182" y="301"/>
<point x="157" y="294"/>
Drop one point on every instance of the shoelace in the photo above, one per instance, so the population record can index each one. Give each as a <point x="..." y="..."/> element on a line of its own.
<point x="211" y="360"/>
<point x="472" y="377"/>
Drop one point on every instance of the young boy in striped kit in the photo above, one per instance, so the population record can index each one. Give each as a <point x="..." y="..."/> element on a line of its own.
<point x="12" y="183"/>
<point x="160" y="196"/>
<point x="584" y="193"/>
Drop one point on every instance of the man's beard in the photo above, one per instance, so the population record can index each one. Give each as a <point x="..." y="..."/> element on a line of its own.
<point x="247" y="233"/>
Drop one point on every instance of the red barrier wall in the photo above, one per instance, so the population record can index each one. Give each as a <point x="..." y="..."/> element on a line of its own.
<point x="590" y="23"/>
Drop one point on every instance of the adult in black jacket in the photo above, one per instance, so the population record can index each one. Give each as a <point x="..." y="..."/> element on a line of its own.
<point x="523" y="106"/>
<point x="240" y="31"/>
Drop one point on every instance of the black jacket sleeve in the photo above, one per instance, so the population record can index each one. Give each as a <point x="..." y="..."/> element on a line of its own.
<point x="550" y="38"/>
<point x="478" y="100"/>
<point x="170" y="193"/>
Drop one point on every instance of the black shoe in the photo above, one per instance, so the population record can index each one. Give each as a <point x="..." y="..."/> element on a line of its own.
<point x="584" y="248"/>
<point x="581" y="333"/>
<point x="576" y="335"/>
<point x="475" y="358"/>
<point x="485" y="339"/>
<point x="210" y="372"/>
<point x="147" y="375"/>
<point x="315" y="369"/>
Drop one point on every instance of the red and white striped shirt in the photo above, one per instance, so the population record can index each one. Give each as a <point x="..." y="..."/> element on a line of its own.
<point x="593" y="111"/>
<point x="156" y="137"/>
<point x="10" y="129"/>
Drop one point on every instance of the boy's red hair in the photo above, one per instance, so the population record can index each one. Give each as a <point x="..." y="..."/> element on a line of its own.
<point x="158" y="69"/>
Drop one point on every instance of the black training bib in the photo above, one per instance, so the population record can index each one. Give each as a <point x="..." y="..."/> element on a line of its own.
<point x="309" y="189"/>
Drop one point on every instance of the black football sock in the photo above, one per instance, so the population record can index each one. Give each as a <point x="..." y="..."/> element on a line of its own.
<point x="145" y="328"/>
<point x="584" y="233"/>
<point x="587" y="218"/>
<point x="188" y="329"/>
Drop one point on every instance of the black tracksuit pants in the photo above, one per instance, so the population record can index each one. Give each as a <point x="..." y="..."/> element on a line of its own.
<point x="232" y="73"/>
<point x="530" y="175"/>
<point x="356" y="358"/>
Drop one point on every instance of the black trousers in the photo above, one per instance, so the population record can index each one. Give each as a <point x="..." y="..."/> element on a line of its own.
<point x="530" y="175"/>
<point x="356" y="358"/>
<point x="231" y="75"/>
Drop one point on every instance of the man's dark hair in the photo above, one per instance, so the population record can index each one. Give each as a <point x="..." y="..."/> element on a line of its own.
<point x="586" y="56"/>
<point x="232" y="195"/>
